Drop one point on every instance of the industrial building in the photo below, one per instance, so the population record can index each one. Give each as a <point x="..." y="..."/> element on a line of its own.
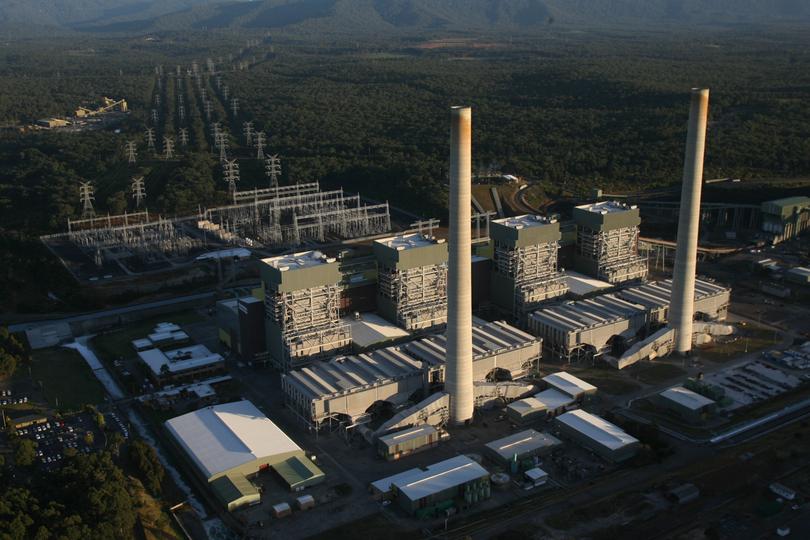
<point x="163" y="335"/>
<point x="548" y="403"/>
<point x="520" y="447"/>
<point x="302" y="308"/>
<point x="242" y="327"/>
<point x="598" y="435"/>
<point x="586" y="328"/>
<point x="595" y="326"/>
<point x="347" y="386"/>
<point x="412" y="280"/>
<point x="710" y="303"/>
<point x="228" y="444"/>
<point x="524" y="264"/>
<point x="799" y="275"/>
<point x="607" y="242"/>
<point x="568" y="384"/>
<point x="399" y="444"/>
<point x="784" y="219"/>
<point x="455" y="482"/>
<point x="685" y="403"/>
<point x="186" y="364"/>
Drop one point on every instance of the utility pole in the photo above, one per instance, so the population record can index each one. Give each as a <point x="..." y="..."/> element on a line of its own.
<point x="247" y="128"/>
<point x="231" y="170"/>
<point x="272" y="168"/>
<point x="168" y="148"/>
<point x="86" y="195"/>
<point x="260" y="145"/>
<point x="138" y="188"/>
<point x="132" y="151"/>
<point x="222" y="144"/>
<point x="150" y="138"/>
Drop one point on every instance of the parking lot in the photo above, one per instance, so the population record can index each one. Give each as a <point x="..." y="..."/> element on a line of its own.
<point x="56" y="437"/>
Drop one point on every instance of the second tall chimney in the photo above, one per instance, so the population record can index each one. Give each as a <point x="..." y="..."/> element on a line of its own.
<point x="682" y="306"/>
<point x="459" y="367"/>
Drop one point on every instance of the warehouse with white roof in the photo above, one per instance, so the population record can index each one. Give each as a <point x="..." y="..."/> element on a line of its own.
<point x="227" y="444"/>
<point x="598" y="435"/>
<point x="521" y="446"/>
<point x="566" y="383"/>
<point x="454" y="482"/>
<point x="685" y="403"/>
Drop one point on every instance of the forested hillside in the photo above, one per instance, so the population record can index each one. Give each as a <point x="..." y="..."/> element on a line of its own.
<point x="372" y="16"/>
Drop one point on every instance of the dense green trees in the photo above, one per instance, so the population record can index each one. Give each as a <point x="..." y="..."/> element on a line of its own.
<point x="24" y="452"/>
<point x="88" y="498"/>
<point x="12" y="353"/>
<point x="148" y="466"/>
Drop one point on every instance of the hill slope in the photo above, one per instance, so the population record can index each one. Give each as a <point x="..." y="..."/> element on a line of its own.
<point x="353" y="16"/>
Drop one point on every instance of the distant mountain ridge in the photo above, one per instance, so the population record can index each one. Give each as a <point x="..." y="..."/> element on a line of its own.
<point x="353" y="16"/>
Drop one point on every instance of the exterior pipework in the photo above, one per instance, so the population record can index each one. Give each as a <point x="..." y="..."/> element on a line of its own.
<point x="683" y="277"/>
<point x="459" y="374"/>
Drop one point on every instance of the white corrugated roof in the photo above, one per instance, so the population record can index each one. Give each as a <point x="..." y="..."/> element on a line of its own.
<point x="687" y="398"/>
<point x="419" y="483"/>
<point x="222" y="437"/>
<point x="553" y="399"/>
<point x="200" y="356"/>
<point x="565" y="382"/>
<point x="522" y="443"/>
<point x="597" y="429"/>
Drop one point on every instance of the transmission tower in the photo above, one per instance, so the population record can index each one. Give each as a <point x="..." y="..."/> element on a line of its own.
<point x="225" y="91"/>
<point x="260" y="145"/>
<point x="154" y="116"/>
<point x="181" y="112"/>
<point x="132" y="151"/>
<point x="157" y="100"/>
<point x="272" y="168"/>
<point x="208" y="110"/>
<point x="247" y="128"/>
<point x="234" y="106"/>
<point x="183" y="136"/>
<point x="221" y="142"/>
<point x="138" y="188"/>
<point x="150" y="138"/>
<point x="231" y="171"/>
<point x="168" y="148"/>
<point x="203" y="94"/>
<point x="86" y="196"/>
<point x="219" y="82"/>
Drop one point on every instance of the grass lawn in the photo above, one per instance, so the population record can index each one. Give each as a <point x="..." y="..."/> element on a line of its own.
<point x="751" y="339"/>
<point x="67" y="382"/>
<point x="119" y="342"/>
<point x="656" y="373"/>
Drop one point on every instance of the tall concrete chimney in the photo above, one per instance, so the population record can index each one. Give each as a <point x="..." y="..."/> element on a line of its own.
<point x="682" y="307"/>
<point x="459" y="368"/>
